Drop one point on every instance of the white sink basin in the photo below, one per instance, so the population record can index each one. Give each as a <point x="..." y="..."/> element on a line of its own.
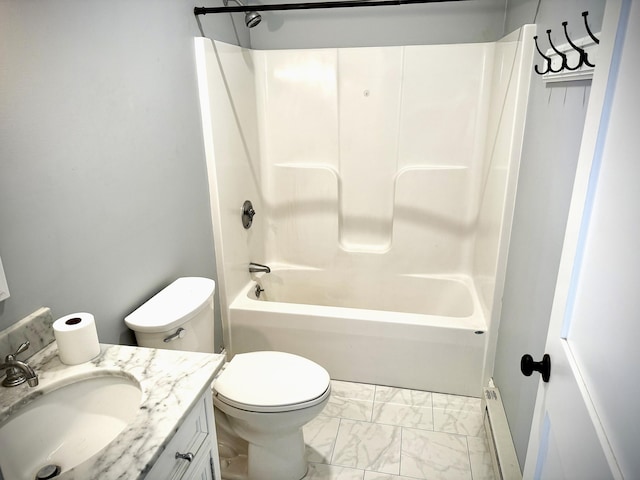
<point x="68" y="425"/>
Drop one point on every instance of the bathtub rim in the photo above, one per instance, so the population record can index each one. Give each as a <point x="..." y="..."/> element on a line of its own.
<point x="245" y="300"/>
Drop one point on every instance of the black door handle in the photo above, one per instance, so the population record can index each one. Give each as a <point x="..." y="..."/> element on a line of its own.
<point x="528" y="366"/>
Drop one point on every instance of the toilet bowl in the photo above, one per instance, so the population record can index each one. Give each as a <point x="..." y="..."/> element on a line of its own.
<point x="261" y="399"/>
<point x="266" y="398"/>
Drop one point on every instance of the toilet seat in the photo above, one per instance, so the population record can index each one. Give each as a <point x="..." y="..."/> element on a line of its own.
<point x="271" y="382"/>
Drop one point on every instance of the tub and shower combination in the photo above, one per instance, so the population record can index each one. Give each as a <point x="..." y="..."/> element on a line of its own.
<point x="383" y="180"/>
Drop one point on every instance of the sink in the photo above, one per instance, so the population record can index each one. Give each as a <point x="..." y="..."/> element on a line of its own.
<point x="67" y="424"/>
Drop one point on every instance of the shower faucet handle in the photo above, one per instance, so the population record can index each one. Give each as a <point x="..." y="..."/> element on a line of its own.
<point x="247" y="214"/>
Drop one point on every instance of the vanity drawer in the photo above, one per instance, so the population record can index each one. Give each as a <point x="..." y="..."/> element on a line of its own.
<point x="193" y="440"/>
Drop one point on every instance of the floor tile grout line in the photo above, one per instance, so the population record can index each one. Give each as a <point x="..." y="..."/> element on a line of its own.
<point x="466" y="439"/>
<point x="400" y="459"/>
<point x="335" y="441"/>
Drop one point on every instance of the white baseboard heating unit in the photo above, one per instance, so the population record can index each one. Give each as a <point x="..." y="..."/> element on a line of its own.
<point x="503" y="453"/>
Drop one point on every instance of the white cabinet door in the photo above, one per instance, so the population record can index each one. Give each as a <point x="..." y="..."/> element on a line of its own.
<point x="587" y="419"/>
<point x="189" y="454"/>
<point x="203" y="470"/>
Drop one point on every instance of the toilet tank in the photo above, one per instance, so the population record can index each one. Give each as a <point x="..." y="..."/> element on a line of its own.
<point x="179" y="317"/>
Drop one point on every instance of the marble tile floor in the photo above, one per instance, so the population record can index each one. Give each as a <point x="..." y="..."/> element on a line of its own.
<point x="370" y="432"/>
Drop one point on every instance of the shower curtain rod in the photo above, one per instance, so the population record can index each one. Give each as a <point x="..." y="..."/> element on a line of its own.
<point x="311" y="5"/>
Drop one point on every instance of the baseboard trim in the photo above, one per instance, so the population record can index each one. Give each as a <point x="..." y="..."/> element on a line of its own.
<point x="503" y="452"/>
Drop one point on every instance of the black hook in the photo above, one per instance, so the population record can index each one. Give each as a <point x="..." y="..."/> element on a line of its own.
<point x="586" y="24"/>
<point x="560" y="54"/>
<point x="583" y="55"/>
<point x="548" y="59"/>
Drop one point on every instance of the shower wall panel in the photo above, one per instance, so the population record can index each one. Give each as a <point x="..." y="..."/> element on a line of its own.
<point x="226" y="76"/>
<point x="394" y="138"/>
<point x="305" y="214"/>
<point x="444" y="104"/>
<point x="369" y="91"/>
<point x="505" y="130"/>
<point x="298" y="111"/>
<point x="505" y="127"/>
<point x="432" y="225"/>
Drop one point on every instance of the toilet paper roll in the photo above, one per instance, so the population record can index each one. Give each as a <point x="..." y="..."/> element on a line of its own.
<point x="77" y="338"/>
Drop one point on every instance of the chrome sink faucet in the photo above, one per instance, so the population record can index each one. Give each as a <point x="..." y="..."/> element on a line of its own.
<point x="18" y="372"/>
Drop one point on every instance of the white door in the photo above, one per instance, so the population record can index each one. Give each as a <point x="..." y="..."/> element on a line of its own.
<point x="587" y="418"/>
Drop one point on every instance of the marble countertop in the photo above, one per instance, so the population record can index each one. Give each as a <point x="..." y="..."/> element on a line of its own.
<point x="171" y="383"/>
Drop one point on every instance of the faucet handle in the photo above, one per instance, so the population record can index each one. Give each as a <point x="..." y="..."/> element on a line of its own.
<point x="24" y="346"/>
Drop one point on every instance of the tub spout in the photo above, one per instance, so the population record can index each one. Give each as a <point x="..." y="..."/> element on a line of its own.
<point x="257" y="267"/>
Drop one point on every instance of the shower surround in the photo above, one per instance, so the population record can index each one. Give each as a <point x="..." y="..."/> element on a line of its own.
<point x="383" y="179"/>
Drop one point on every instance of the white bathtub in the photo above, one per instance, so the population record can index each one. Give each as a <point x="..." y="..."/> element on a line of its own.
<point x="409" y="331"/>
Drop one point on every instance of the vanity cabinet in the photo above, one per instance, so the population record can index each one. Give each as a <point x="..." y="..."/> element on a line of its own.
<point x="192" y="453"/>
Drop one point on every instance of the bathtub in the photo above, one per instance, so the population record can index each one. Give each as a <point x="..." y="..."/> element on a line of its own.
<point x="409" y="331"/>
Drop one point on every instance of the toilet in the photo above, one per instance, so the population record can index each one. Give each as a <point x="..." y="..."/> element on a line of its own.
<point x="261" y="399"/>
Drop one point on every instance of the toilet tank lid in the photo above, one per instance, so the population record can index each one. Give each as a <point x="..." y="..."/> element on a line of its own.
<point x="173" y="306"/>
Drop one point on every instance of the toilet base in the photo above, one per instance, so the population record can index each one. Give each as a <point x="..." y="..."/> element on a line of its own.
<point x="269" y="458"/>
<point x="235" y="466"/>
<point x="233" y="462"/>
<point x="282" y="458"/>
<point x="232" y="451"/>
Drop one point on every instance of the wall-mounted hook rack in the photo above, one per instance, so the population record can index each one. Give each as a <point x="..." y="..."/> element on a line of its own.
<point x="573" y="60"/>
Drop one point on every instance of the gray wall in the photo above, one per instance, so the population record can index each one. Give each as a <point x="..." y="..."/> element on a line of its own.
<point x="425" y="24"/>
<point x="103" y="186"/>
<point x="555" y="119"/>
